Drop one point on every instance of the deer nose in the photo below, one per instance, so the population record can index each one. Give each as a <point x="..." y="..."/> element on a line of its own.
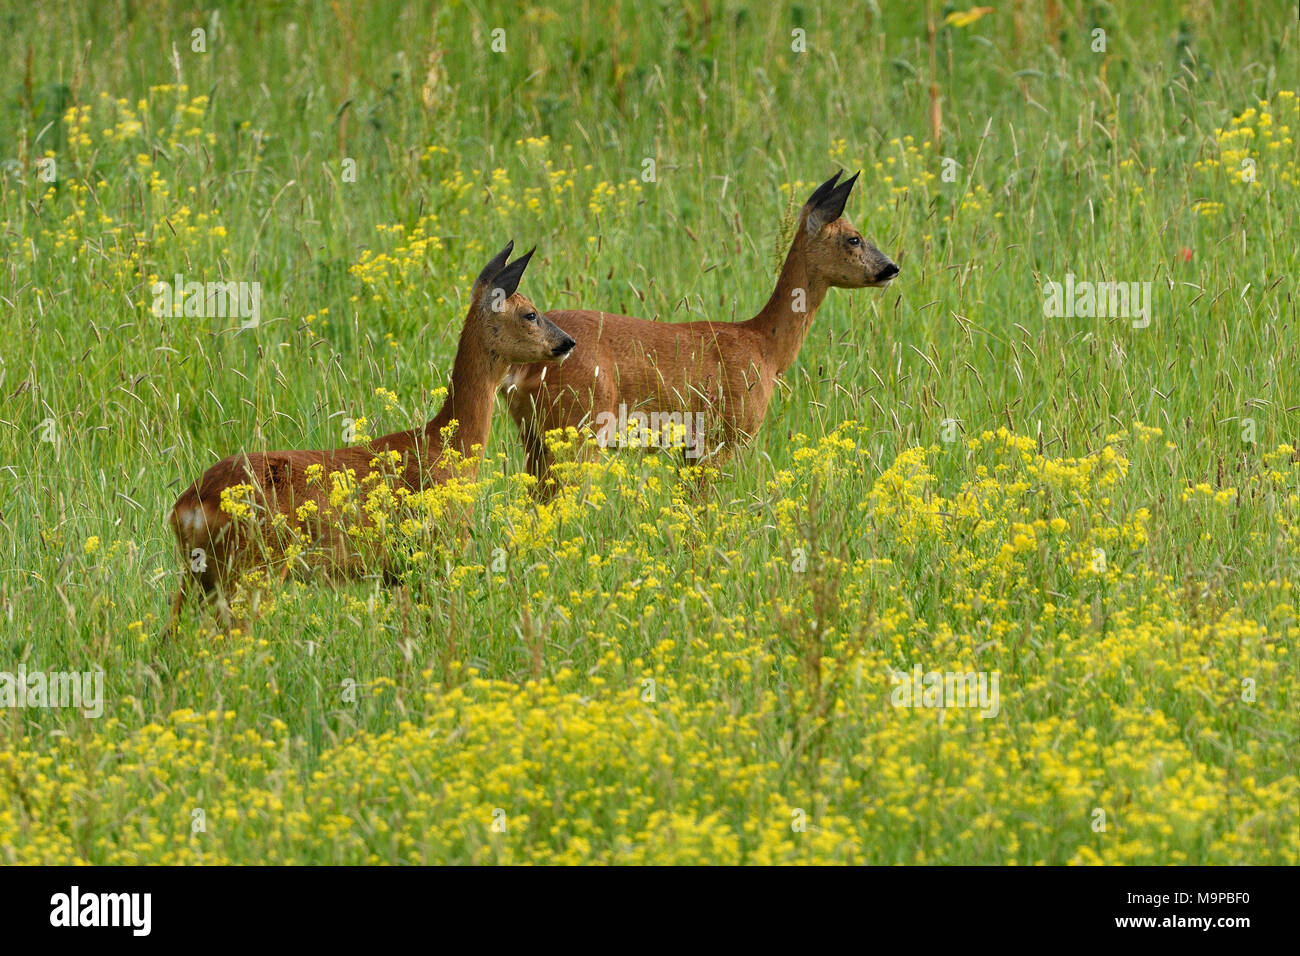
<point x="888" y="272"/>
<point x="565" y="347"/>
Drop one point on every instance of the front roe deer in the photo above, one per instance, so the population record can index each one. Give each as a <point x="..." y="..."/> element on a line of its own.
<point x="729" y="367"/>
<point x="502" y="328"/>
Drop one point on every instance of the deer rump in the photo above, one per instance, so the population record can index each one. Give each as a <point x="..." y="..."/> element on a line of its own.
<point x="231" y="544"/>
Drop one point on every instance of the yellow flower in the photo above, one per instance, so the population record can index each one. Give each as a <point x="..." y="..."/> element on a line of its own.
<point x="964" y="19"/>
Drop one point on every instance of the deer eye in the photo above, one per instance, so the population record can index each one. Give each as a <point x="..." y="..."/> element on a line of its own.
<point x="531" y="317"/>
<point x="855" y="240"/>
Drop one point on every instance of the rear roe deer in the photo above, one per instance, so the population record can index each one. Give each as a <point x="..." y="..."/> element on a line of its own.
<point x="727" y="368"/>
<point x="502" y="328"/>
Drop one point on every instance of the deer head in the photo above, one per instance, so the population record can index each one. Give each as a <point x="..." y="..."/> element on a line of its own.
<point x="507" y="325"/>
<point x="834" y="250"/>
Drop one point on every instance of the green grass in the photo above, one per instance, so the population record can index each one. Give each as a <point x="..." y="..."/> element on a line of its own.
<point x="515" y="680"/>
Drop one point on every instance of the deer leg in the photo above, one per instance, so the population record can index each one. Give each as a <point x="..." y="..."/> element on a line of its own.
<point x="178" y="602"/>
<point x="222" y="607"/>
<point x="538" y="460"/>
<point x="709" y="450"/>
<point x="699" y="478"/>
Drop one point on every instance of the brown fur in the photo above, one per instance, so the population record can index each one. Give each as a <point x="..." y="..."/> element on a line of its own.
<point x="726" y="369"/>
<point x="491" y="340"/>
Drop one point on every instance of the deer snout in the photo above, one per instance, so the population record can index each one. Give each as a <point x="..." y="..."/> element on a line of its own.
<point x="564" y="347"/>
<point x="563" y="341"/>
<point x="885" y="273"/>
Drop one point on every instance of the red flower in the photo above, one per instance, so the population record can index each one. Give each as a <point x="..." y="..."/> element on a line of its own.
<point x="1185" y="254"/>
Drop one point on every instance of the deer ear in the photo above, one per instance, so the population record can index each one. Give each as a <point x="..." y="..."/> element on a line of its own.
<point x="830" y="206"/>
<point x="820" y="192"/>
<point x="492" y="268"/>
<point x="507" y="280"/>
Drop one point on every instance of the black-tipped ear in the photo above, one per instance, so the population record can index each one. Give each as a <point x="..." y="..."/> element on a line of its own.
<point x="821" y="191"/>
<point x="507" y="280"/>
<point x="492" y="268"/>
<point x="831" y="206"/>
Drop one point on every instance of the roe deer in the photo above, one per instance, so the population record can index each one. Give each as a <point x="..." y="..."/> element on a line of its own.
<point x="729" y="368"/>
<point x="502" y="328"/>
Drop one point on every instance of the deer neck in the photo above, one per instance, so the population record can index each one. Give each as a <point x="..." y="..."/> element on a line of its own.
<point x="784" y="321"/>
<point x="475" y="376"/>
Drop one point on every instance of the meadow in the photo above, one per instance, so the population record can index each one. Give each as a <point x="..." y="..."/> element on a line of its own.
<point x="1103" y="511"/>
